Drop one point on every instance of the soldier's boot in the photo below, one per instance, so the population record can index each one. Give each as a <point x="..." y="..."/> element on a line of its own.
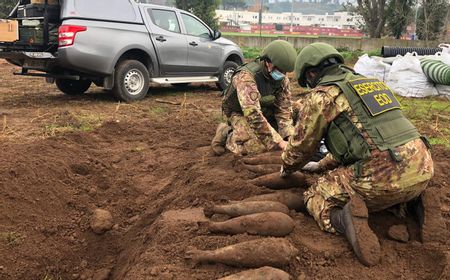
<point x="352" y="222"/>
<point x="427" y="209"/>
<point x="220" y="139"/>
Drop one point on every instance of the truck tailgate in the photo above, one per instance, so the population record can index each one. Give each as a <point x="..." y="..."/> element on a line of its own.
<point x="30" y="60"/>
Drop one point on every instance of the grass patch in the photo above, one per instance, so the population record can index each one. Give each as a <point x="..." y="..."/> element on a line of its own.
<point x="68" y="122"/>
<point x="439" y="141"/>
<point x="157" y="111"/>
<point x="251" y="53"/>
<point x="431" y="115"/>
<point x="352" y="56"/>
<point x="11" y="238"/>
<point x="424" y="109"/>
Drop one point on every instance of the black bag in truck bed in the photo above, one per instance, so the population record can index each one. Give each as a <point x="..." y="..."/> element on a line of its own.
<point x="38" y="10"/>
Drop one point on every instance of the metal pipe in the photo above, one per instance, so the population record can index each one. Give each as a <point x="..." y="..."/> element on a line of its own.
<point x="387" y="51"/>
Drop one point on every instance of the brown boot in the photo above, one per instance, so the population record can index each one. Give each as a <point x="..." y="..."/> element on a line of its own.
<point x="352" y="222"/>
<point x="427" y="209"/>
<point x="220" y="139"/>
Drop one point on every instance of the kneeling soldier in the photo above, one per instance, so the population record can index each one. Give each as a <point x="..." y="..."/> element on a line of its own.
<point x="378" y="157"/>
<point x="258" y="104"/>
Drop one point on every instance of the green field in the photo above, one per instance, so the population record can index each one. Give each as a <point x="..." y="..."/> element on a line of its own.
<point x="432" y="114"/>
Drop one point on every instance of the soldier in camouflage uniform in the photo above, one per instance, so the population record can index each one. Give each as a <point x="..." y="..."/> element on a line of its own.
<point x="258" y="104"/>
<point x="377" y="157"/>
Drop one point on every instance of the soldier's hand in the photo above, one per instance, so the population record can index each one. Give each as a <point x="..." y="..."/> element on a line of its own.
<point x="282" y="145"/>
<point x="311" y="166"/>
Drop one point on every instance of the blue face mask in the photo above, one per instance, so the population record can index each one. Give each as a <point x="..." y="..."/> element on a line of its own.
<point x="277" y="75"/>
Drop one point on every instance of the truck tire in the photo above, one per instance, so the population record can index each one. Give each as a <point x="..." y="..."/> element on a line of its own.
<point x="73" y="87"/>
<point x="225" y="77"/>
<point x="131" y="81"/>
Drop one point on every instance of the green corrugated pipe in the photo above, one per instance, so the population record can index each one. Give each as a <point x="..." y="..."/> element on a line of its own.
<point x="436" y="71"/>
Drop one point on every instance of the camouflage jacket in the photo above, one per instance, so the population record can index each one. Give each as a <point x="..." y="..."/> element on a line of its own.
<point x="323" y="105"/>
<point x="249" y="99"/>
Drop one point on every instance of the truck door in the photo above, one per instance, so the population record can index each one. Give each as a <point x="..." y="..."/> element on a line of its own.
<point x="171" y="45"/>
<point x="204" y="55"/>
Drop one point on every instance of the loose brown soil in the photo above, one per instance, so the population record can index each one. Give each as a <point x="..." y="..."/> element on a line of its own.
<point x="149" y="165"/>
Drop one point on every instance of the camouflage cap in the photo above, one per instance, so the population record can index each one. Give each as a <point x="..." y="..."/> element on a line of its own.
<point x="312" y="56"/>
<point x="282" y="54"/>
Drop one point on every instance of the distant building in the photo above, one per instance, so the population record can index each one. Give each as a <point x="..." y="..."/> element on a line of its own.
<point x="341" y="20"/>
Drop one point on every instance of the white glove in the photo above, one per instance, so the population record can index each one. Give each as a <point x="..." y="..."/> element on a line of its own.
<point x="311" y="166"/>
<point x="284" y="173"/>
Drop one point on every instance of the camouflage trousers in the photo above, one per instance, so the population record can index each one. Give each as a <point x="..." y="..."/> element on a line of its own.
<point x="242" y="140"/>
<point x="382" y="182"/>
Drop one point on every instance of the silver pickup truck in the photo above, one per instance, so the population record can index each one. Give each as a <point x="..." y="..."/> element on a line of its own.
<point x="120" y="45"/>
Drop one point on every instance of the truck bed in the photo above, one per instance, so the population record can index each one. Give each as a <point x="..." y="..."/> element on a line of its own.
<point x="38" y="28"/>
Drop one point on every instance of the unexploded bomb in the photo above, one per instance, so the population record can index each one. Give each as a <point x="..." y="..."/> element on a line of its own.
<point x="275" y="252"/>
<point x="267" y="224"/>
<point x="245" y="208"/>
<point x="290" y="199"/>
<point x="263" y="273"/>
<point x="274" y="181"/>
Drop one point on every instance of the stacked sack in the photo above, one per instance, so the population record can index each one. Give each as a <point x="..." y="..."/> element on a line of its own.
<point x="406" y="77"/>
<point x="372" y="67"/>
<point x="411" y="75"/>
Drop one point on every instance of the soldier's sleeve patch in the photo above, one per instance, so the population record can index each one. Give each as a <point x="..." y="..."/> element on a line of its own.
<point x="254" y="95"/>
<point x="375" y="95"/>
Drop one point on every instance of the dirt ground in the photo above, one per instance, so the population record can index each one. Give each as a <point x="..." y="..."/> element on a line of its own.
<point x="149" y="164"/>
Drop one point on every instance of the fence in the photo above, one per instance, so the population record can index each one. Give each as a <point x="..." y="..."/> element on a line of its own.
<point x="365" y="44"/>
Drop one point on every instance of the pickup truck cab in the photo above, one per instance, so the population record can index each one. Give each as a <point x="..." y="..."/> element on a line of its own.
<point x="120" y="45"/>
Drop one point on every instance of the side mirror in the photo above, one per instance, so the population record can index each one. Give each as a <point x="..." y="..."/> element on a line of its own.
<point x="216" y="35"/>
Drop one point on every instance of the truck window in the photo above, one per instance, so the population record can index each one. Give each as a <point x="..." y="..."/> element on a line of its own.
<point x="195" y="27"/>
<point x="100" y="9"/>
<point x="167" y="20"/>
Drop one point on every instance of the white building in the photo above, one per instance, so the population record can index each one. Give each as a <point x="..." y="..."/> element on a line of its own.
<point x="342" y="20"/>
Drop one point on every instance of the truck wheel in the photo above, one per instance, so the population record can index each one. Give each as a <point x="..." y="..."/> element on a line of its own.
<point x="131" y="81"/>
<point x="225" y="77"/>
<point x="73" y="87"/>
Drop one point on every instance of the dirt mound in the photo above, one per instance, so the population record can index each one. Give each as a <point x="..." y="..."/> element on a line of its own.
<point x="148" y="175"/>
<point x="50" y="187"/>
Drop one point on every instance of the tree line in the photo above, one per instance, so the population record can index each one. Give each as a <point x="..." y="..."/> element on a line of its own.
<point x="429" y="18"/>
<point x="6" y="6"/>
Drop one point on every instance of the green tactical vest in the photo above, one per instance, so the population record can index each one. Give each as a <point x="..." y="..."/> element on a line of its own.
<point x="379" y="113"/>
<point x="268" y="88"/>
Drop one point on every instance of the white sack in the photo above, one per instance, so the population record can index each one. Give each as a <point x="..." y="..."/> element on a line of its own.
<point x="406" y="78"/>
<point x="372" y="67"/>
<point x="443" y="90"/>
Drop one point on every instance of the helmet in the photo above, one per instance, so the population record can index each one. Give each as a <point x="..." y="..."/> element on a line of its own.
<point x="282" y="55"/>
<point x="312" y="56"/>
